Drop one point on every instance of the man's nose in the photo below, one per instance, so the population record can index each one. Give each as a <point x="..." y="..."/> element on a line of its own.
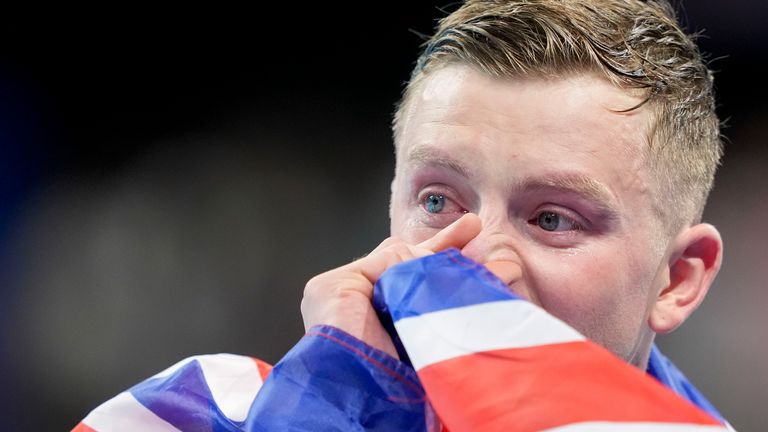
<point x="497" y="241"/>
<point x="509" y="272"/>
<point x="499" y="251"/>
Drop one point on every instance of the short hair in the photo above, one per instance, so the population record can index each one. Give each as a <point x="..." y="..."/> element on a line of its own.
<point x="635" y="44"/>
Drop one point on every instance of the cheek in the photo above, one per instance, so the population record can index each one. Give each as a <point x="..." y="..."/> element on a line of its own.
<point x="404" y="223"/>
<point x="602" y="295"/>
<point x="577" y="289"/>
<point x="594" y="294"/>
<point x="414" y="234"/>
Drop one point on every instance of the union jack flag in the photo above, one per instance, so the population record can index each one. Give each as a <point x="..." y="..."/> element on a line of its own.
<point x="473" y="357"/>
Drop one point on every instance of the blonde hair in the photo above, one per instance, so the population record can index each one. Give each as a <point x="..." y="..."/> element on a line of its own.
<point x="634" y="43"/>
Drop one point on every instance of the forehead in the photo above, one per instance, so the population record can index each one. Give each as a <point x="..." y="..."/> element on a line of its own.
<point x="470" y="114"/>
<point x="581" y="104"/>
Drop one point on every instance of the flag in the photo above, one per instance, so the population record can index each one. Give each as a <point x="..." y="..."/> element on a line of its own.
<point x="201" y="393"/>
<point x="473" y="356"/>
<point x="483" y="370"/>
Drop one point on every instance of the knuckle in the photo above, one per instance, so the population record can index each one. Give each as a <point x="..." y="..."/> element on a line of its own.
<point x="390" y="255"/>
<point x="399" y="252"/>
<point x="334" y="284"/>
<point x="348" y="285"/>
<point x="313" y="285"/>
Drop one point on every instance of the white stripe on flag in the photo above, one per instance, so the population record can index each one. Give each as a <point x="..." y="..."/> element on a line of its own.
<point x="123" y="413"/>
<point x="449" y="333"/>
<point x="234" y="381"/>
<point x="636" y="427"/>
<point x="172" y="369"/>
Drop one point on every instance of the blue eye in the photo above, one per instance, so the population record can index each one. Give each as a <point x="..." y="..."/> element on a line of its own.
<point x="434" y="203"/>
<point x="548" y="221"/>
<point x="551" y="221"/>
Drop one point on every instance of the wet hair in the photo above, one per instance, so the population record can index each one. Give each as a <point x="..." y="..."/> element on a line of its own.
<point x="637" y="45"/>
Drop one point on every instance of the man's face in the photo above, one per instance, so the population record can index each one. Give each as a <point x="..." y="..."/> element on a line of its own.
<point x="557" y="177"/>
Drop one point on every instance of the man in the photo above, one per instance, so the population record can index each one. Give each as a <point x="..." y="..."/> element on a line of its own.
<point x="588" y="162"/>
<point x="568" y="147"/>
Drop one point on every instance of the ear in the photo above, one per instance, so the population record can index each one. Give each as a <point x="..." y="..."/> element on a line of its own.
<point x="694" y="261"/>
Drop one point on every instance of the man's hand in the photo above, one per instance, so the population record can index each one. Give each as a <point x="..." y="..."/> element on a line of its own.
<point x="342" y="297"/>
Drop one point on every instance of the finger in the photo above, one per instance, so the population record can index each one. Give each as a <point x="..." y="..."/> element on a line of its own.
<point x="457" y="234"/>
<point x="394" y="251"/>
<point x="376" y="263"/>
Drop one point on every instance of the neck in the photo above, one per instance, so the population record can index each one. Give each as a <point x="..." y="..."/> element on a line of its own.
<point x="642" y="350"/>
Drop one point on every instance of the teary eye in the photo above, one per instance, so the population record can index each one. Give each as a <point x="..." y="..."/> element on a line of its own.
<point x="434" y="203"/>
<point x="548" y="221"/>
<point x="551" y="221"/>
<point x="439" y="207"/>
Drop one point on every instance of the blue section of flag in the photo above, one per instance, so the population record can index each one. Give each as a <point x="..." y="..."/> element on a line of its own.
<point x="434" y="283"/>
<point x="331" y="381"/>
<point x="184" y="400"/>
<point x="662" y="368"/>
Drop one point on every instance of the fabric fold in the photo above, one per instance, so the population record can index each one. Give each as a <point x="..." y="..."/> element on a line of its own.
<point x="474" y="357"/>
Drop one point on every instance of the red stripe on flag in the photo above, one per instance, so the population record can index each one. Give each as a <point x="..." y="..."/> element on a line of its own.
<point x="82" y="427"/>
<point x="530" y="389"/>
<point x="264" y="368"/>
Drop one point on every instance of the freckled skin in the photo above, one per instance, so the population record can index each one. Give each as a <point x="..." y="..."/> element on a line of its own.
<point x="603" y="281"/>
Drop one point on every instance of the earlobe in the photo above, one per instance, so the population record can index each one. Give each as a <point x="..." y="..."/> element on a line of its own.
<point x="693" y="264"/>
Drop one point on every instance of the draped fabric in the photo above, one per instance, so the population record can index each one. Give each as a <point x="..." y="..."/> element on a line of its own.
<point x="473" y="356"/>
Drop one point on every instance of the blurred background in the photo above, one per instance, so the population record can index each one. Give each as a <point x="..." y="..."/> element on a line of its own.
<point x="171" y="179"/>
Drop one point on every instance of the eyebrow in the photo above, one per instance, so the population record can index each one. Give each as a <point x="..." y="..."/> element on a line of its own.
<point x="423" y="155"/>
<point x="582" y="185"/>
